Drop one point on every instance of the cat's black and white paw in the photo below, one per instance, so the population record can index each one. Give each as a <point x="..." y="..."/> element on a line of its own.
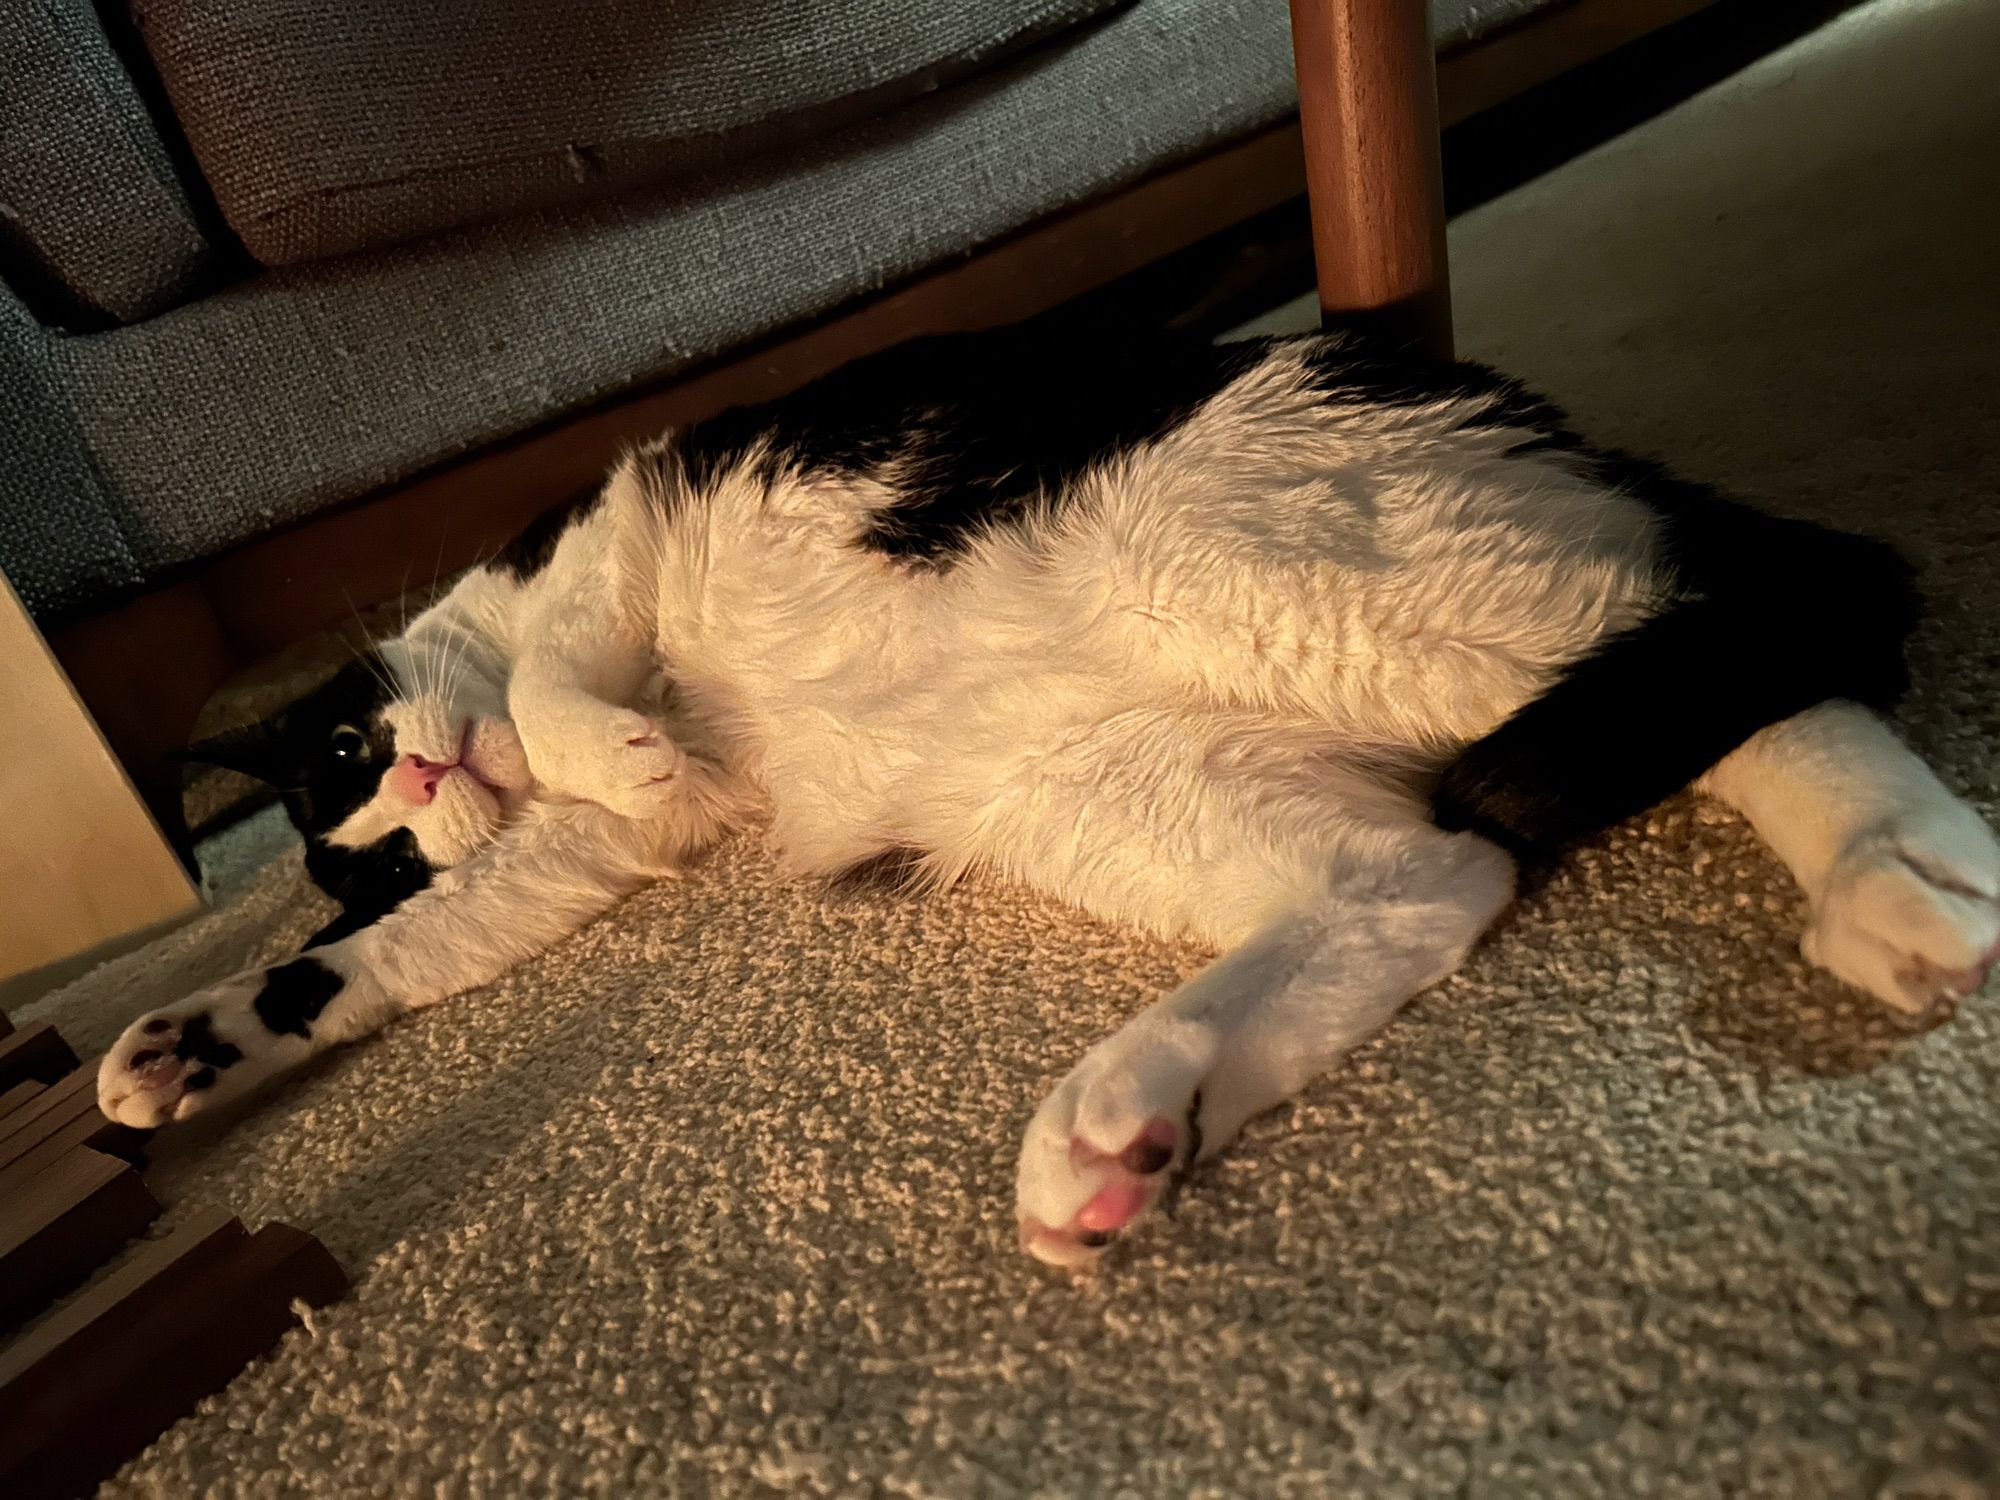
<point x="1106" y="1143"/>
<point x="1911" y="910"/>
<point x="220" y="1043"/>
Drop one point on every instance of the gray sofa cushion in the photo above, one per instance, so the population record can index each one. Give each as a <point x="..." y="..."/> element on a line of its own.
<point x="89" y="204"/>
<point x="325" y="129"/>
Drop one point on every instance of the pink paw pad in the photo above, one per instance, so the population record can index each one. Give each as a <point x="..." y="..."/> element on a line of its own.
<point x="1136" y="1181"/>
<point x="1968" y="980"/>
<point x="153" y="1070"/>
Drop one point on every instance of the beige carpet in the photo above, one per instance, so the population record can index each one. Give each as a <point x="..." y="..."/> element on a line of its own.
<point x="714" y="1199"/>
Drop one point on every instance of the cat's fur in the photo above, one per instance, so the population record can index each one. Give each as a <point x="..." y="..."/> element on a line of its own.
<point x="1291" y="646"/>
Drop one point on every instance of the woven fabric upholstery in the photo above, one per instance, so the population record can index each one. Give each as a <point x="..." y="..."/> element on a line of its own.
<point x="325" y="129"/>
<point x="306" y="387"/>
<point x="89" y="204"/>
<point x="60" y="539"/>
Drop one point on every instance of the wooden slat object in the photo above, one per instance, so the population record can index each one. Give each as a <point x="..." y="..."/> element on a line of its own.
<point x="36" y="1054"/>
<point x="1369" y="113"/>
<point x="17" y="1097"/>
<point x="81" y="859"/>
<point x="65" y="1112"/>
<point x="61" y="1218"/>
<point x="88" y="1388"/>
<point x="56" y="1105"/>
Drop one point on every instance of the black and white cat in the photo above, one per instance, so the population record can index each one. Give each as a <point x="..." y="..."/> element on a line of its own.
<point x="1292" y="646"/>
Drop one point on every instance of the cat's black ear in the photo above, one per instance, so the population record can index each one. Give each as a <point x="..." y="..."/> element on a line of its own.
<point x="261" y="750"/>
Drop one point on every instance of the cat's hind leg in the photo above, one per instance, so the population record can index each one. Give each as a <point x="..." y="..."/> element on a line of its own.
<point x="1334" y="901"/>
<point x="1181" y="1078"/>
<point x="1903" y="877"/>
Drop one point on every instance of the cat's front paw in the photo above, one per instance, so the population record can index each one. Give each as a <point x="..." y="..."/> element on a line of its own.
<point x="215" y="1045"/>
<point x="618" y="758"/>
<point x="1911" y="911"/>
<point x="1104" y="1145"/>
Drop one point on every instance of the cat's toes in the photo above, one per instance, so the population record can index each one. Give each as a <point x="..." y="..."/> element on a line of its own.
<point x="1912" y="914"/>
<point x="1104" y="1145"/>
<point x="168" y="1066"/>
<point x="635" y="768"/>
<point x="177" y="1063"/>
<point x="650" y="769"/>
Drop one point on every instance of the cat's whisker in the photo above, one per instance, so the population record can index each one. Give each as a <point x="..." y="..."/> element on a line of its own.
<point x="453" y="669"/>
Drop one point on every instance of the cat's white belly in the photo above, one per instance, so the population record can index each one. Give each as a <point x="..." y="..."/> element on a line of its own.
<point x="1405" y="612"/>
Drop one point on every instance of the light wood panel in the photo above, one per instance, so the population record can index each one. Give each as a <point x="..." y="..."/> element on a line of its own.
<point x="81" y="859"/>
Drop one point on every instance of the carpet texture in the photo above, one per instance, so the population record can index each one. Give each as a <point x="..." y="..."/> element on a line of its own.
<point x="714" y="1199"/>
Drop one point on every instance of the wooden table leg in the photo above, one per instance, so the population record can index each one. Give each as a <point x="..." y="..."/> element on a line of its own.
<point x="1368" y="110"/>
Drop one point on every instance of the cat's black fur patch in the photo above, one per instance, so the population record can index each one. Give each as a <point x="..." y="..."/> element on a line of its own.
<point x="295" y="750"/>
<point x="200" y="1044"/>
<point x="987" y="430"/>
<point x="294" y="995"/>
<point x="980" y="430"/>
<point x="369" y="882"/>
<point x="1766" y="618"/>
<point x="1363" y="372"/>
<point x="893" y="872"/>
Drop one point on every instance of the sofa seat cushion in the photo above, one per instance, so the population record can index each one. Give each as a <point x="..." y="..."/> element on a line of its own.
<point x="94" y="225"/>
<point x="329" y="128"/>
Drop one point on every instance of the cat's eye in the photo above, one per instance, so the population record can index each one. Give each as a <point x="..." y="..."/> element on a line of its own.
<point x="348" y="742"/>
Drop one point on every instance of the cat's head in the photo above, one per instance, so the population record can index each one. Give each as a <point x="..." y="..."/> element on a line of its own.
<point x="392" y="769"/>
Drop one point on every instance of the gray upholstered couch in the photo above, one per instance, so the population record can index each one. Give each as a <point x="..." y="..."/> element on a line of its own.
<point x="261" y="257"/>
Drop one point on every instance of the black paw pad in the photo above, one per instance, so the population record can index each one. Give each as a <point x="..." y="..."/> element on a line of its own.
<point x="1146" y="1157"/>
<point x="200" y="1044"/>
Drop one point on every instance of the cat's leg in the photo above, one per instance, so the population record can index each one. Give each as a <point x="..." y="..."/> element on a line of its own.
<point x="1334" y="900"/>
<point x="585" y="687"/>
<point x="582" y="737"/>
<point x="1903" y="877"/>
<point x="1397" y="913"/>
<point x="544" y="879"/>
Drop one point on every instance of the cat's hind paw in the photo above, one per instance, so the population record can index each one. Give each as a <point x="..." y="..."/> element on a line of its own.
<point x="1911" y="912"/>
<point x="1105" y="1145"/>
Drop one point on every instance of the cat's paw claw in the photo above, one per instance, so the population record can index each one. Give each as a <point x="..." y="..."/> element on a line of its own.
<point x="1912" y="915"/>
<point x="1105" y="1145"/>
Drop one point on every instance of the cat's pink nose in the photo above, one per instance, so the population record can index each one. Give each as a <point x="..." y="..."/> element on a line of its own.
<point x="415" y="779"/>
